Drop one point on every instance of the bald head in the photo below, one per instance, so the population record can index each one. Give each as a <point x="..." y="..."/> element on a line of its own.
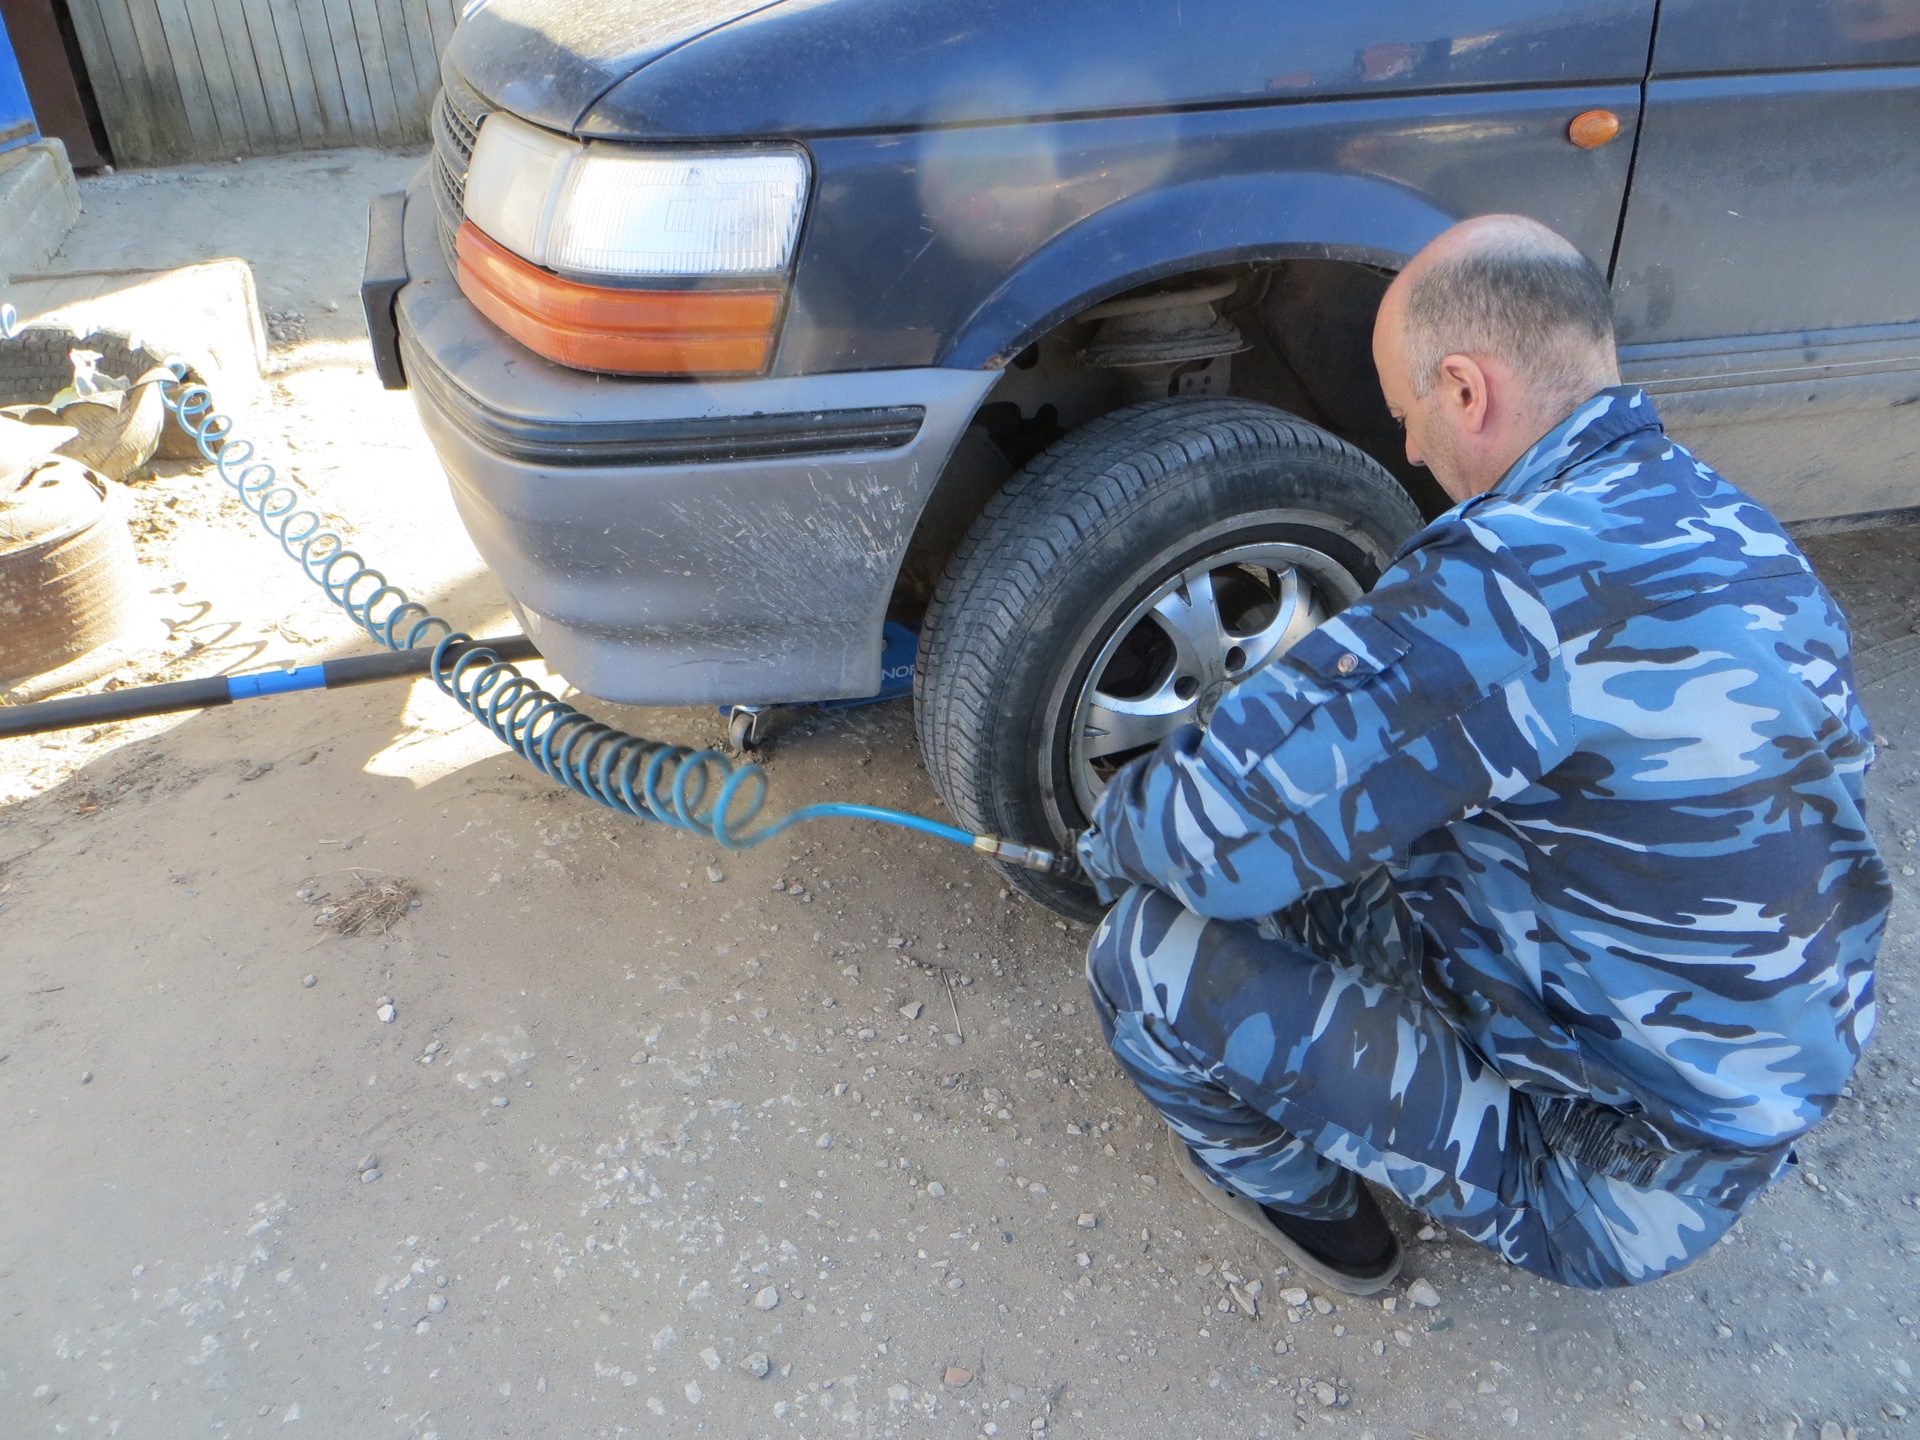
<point x="1490" y="337"/>
<point x="1508" y="287"/>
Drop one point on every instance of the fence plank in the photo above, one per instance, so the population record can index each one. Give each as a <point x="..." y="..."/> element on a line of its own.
<point x="399" y="57"/>
<point x="373" y="59"/>
<point x="316" y="40"/>
<point x="296" y="70"/>
<point x="250" y="84"/>
<point x="440" y="12"/>
<point x="426" y="64"/>
<point x="353" y="71"/>
<point x="166" y="39"/>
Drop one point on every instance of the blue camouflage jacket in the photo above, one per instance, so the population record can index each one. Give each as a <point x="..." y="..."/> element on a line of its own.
<point x="1599" y="725"/>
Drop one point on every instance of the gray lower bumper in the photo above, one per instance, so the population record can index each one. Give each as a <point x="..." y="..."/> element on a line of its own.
<point x="679" y="542"/>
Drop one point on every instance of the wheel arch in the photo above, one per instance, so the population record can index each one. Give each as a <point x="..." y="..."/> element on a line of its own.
<point x="1150" y="236"/>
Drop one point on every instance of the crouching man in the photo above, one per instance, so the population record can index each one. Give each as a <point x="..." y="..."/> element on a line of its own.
<point x="1535" y="887"/>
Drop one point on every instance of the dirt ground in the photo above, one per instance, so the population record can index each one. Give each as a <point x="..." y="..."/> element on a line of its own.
<point x="819" y="1139"/>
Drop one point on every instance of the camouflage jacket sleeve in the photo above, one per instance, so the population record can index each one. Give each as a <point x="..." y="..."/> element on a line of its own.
<point x="1441" y="692"/>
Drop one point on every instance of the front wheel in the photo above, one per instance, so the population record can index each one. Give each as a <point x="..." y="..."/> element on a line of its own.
<point x="1117" y="587"/>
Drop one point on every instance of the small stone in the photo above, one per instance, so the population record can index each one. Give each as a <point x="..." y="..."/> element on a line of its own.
<point x="1403" y="1338"/>
<point x="1832" y="1430"/>
<point x="440" y="1281"/>
<point x="912" y="1012"/>
<point x="897" y="942"/>
<point x="952" y="1039"/>
<point x="1390" y="1303"/>
<point x="1427" y="1232"/>
<point x="1421" y="1293"/>
<point x="500" y="1102"/>
<point x="368" y="1161"/>
<point x="86" y="1077"/>
<point x="310" y="981"/>
<point x="825" y="1142"/>
<point x="386" y="1013"/>
<point x="710" y="1358"/>
<point x="958" y="1377"/>
<point x="1725" y="1332"/>
<point x="1694" y="1421"/>
<point x="1088" y="1220"/>
<point x="423" y="1327"/>
<point x="715" y="874"/>
<point x="936" y="1190"/>
<point x="1294" y="1296"/>
<point x="766" y="1299"/>
<point x="1322" y="1305"/>
<point x="1512" y="1416"/>
<point x="1244" y="1301"/>
<point x="367" y="1177"/>
<point x="1326" y="1394"/>
<point x="757" y="1364"/>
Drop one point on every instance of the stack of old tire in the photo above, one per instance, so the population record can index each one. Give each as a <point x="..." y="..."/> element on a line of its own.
<point x="68" y="579"/>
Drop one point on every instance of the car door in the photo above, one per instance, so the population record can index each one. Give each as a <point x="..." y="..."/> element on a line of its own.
<point x="1766" y="282"/>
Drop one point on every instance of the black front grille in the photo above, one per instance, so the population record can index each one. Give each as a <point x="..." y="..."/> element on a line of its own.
<point x="456" y="121"/>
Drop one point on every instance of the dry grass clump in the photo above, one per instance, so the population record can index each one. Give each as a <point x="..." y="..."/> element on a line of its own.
<point x="373" y="907"/>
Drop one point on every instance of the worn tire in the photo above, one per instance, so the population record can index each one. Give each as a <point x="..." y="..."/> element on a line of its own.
<point x="1068" y="550"/>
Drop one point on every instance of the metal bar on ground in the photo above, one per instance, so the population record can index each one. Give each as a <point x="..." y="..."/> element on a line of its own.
<point x="138" y="702"/>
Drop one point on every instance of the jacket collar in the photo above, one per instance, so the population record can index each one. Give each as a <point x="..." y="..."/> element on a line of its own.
<point x="1594" y="425"/>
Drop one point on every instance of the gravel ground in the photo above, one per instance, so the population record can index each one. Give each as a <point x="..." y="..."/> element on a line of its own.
<point x="610" y="1134"/>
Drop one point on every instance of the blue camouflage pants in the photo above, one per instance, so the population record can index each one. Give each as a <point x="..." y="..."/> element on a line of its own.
<point x="1291" y="1062"/>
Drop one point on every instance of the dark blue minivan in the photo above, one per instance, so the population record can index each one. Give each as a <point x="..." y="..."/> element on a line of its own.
<point x="745" y="328"/>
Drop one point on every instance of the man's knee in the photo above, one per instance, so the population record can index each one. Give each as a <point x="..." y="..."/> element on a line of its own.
<point x="1141" y="953"/>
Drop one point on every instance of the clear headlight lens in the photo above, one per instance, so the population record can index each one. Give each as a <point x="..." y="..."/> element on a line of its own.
<point x="614" y="210"/>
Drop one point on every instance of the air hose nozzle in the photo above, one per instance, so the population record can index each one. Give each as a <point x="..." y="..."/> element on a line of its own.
<point x="1028" y="857"/>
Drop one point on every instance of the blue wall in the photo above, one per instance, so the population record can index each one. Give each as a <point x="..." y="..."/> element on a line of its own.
<point x="15" y="112"/>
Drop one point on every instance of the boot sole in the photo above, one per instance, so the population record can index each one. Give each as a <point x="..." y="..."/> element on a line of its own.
<point x="1252" y="1217"/>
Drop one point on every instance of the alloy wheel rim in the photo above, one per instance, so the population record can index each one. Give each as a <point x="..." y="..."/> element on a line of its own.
<point x="1193" y="637"/>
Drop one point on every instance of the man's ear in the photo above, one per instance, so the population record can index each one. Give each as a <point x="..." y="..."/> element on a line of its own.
<point x="1462" y="384"/>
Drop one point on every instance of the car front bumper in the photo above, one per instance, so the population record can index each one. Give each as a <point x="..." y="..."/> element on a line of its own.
<point x="668" y="542"/>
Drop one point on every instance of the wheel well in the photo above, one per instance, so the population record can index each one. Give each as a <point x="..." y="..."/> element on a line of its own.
<point x="1305" y="328"/>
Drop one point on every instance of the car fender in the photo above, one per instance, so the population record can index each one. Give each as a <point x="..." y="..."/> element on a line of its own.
<point x="1220" y="220"/>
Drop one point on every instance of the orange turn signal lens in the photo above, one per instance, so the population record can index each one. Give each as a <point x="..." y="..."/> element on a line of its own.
<point x="622" y="332"/>
<point x="1591" y="129"/>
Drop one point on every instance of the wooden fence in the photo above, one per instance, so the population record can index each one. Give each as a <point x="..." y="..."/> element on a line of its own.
<point x="215" y="79"/>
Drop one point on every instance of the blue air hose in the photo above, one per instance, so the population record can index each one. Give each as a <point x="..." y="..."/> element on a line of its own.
<point x="699" y="791"/>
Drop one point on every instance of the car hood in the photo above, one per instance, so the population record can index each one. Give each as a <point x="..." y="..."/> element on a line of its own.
<point x="710" y="69"/>
<point x="548" y="60"/>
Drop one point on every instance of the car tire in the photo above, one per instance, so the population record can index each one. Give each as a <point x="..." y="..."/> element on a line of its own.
<point x="1074" y="617"/>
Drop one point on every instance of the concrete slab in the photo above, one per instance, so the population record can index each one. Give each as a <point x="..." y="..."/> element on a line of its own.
<point x="39" y="203"/>
<point x="208" y="314"/>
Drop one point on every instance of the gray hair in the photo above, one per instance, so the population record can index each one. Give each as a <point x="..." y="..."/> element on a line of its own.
<point x="1522" y="294"/>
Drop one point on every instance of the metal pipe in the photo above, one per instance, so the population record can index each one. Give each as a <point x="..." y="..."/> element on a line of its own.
<point x="138" y="702"/>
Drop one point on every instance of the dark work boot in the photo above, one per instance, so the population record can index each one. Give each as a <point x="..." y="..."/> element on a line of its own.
<point x="1359" y="1255"/>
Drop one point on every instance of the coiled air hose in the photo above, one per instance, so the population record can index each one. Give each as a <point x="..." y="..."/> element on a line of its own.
<point x="699" y="791"/>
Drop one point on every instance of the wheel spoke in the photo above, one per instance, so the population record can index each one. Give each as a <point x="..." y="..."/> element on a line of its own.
<point x="1113" y="725"/>
<point x="1296" y="615"/>
<point x="1190" y="615"/>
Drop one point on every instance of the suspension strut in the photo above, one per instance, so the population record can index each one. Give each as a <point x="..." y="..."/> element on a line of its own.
<point x="698" y="790"/>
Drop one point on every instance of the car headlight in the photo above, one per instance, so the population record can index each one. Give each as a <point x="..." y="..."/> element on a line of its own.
<point x="549" y="221"/>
